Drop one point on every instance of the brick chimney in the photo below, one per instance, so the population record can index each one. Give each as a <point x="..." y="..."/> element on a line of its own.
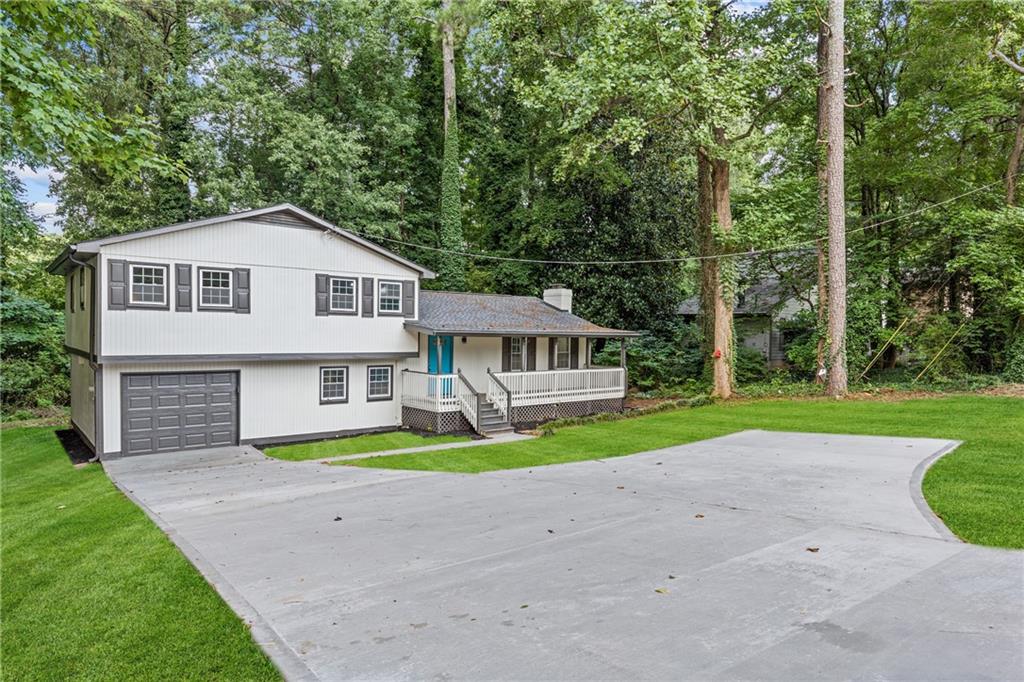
<point x="559" y="296"/>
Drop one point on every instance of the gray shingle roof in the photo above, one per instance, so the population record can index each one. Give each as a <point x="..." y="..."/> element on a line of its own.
<point x="759" y="298"/>
<point x="449" y="312"/>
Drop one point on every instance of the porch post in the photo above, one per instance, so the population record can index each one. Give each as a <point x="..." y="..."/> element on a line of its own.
<point x="437" y="354"/>
<point x="625" y="372"/>
<point x="586" y="355"/>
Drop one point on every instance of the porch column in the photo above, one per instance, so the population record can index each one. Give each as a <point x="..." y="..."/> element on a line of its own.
<point x="625" y="372"/>
<point x="437" y="354"/>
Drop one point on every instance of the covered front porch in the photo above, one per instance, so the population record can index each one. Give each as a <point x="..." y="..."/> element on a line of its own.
<point x="488" y="362"/>
<point x="451" y="402"/>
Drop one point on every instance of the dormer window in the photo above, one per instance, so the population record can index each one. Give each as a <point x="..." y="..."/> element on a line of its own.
<point x="148" y="285"/>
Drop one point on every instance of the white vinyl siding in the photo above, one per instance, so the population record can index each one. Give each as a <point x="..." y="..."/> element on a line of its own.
<point x="148" y="285"/>
<point x="276" y="399"/>
<point x="215" y="288"/>
<point x="333" y="384"/>
<point x="379" y="383"/>
<point x="282" y="263"/>
<point x="343" y="294"/>
<point x="389" y="299"/>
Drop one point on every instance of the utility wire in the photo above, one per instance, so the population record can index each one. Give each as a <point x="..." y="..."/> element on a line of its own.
<point x="794" y="246"/>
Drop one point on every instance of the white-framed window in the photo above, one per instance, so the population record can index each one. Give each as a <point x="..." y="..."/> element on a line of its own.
<point x="333" y="384"/>
<point x="562" y="348"/>
<point x="389" y="299"/>
<point x="148" y="285"/>
<point x="215" y="288"/>
<point x="517" y="361"/>
<point x="379" y="382"/>
<point x="343" y="294"/>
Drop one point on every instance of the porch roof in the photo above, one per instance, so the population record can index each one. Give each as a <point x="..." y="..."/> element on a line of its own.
<point x="464" y="314"/>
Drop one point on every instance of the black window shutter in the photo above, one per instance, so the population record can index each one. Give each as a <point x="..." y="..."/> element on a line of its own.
<point x="117" y="285"/>
<point x="321" y="294"/>
<point x="506" y="354"/>
<point x="552" y="345"/>
<point x="574" y="353"/>
<point x="242" y="290"/>
<point x="531" y="354"/>
<point x="408" y="298"/>
<point x="368" y="297"/>
<point x="182" y="287"/>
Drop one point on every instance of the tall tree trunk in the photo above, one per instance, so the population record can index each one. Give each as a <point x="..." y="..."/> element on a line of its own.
<point x="726" y="281"/>
<point x="837" y="380"/>
<point x="451" y="268"/>
<point x="448" y="62"/>
<point x="1013" y="167"/>
<point x="822" y="221"/>
<point x="709" y="263"/>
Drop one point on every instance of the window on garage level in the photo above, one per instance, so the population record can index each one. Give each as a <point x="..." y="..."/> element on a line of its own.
<point x="333" y="384"/>
<point x="379" y="383"/>
<point x="343" y="294"/>
<point x="149" y="285"/>
<point x="390" y="297"/>
<point x="215" y="288"/>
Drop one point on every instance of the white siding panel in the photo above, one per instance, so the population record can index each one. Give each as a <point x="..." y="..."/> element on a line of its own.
<point x="245" y="244"/>
<point x="276" y="399"/>
<point x="283" y="262"/>
<point x="83" y="397"/>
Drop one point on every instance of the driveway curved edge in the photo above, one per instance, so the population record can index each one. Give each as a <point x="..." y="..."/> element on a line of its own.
<point x="917" y="491"/>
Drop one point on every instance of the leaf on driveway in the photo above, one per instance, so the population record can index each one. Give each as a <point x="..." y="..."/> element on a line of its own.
<point x="698" y="516"/>
<point x="661" y="590"/>
<point x="813" y="549"/>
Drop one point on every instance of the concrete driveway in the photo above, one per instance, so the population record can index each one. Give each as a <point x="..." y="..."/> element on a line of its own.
<point x="756" y="555"/>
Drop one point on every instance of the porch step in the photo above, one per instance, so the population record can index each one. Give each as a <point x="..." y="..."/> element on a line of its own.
<point x="491" y="421"/>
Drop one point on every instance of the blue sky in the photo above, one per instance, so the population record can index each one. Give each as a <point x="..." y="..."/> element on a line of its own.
<point x="37" y="193"/>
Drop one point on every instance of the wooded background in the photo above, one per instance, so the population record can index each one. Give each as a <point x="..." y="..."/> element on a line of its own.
<point x="577" y="132"/>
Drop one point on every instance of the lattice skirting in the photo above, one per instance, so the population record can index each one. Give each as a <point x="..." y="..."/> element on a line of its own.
<point x="535" y="414"/>
<point x="435" y="422"/>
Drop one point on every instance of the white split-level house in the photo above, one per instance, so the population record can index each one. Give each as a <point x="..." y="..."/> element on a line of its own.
<point x="272" y="325"/>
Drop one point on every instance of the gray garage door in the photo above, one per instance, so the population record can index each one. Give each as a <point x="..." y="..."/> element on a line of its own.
<point x="167" y="412"/>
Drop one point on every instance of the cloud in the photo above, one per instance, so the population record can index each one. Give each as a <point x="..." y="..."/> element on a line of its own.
<point x="43" y="174"/>
<point x="46" y="212"/>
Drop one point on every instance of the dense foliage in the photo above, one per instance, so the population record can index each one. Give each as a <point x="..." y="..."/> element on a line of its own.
<point x="578" y="131"/>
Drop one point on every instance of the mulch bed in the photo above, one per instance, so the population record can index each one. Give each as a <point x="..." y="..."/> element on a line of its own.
<point x="78" y="451"/>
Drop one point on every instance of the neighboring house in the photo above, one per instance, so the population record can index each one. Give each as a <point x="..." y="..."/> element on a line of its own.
<point x="273" y="325"/>
<point x="759" y="313"/>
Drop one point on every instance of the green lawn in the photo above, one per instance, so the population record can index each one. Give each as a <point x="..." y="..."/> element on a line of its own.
<point x="373" y="442"/>
<point x="978" y="490"/>
<point x="93" y="590"/>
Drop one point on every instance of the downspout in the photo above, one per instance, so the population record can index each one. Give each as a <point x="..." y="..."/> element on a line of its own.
<point x="93" y="365"/>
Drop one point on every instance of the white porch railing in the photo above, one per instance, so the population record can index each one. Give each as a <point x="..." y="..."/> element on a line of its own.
<point x="468" y="401"/>
<point x="498" y="394"/>
<point x="563" y="385"/>
<point x="433" y="392"/>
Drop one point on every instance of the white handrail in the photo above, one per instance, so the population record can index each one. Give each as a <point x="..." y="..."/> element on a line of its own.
<point x="498" y="394"/>
<point x="468" y="401"/>
<point x="563" y="385"/>
<point x="433" y="392"/>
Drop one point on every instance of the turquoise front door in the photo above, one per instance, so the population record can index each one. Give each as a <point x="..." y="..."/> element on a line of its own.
<point x="440" y="352"/>
<point x="447" y="348"/>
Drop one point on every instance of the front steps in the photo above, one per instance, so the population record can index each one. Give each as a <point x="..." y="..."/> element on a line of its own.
<point x="491" y="421"/>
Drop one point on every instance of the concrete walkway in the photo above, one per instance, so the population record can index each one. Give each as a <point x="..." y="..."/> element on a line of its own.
<point x="756" y="555"/>
<point x="494" y="440"/>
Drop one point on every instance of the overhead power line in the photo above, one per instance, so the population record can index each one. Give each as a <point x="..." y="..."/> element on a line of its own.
<point x="794" y="246"/>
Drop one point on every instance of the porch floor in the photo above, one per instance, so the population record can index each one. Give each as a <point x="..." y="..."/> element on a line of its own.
<point x="495" y="440"/>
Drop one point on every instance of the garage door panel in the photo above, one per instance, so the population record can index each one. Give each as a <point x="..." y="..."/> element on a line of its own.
<point x="140" y="424"/>
<point x="168" y="400"/>
<point x="166" y="412"/>
<point x="193" y="419"/>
